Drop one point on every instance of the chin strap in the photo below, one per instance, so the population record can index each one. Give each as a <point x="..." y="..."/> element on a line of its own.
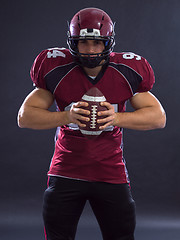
<point x="91" y="62"/>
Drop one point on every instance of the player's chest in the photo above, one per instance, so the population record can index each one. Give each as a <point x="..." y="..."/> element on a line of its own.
<point x="74" y="84"/>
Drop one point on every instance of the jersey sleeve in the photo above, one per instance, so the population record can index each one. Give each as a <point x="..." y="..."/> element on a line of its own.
<point x="37" y="71"/>
<point x="148" y="78"/>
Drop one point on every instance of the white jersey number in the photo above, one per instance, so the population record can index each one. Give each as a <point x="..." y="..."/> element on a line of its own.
<point x="131" y="56"/>
<point x="55" y="53"/>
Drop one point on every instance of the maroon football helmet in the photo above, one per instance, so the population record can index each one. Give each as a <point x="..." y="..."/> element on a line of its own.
<point x="91" y="24"/>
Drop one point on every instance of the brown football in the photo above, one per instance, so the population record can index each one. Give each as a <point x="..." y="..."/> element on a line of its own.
<point x="93" y="97"/>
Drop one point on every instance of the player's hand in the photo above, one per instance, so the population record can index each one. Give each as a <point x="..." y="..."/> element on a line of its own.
<point x="78" y="114"/>
<point x="108" y="115"/>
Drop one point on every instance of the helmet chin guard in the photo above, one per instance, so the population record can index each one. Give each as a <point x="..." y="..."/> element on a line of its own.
<point x="90" y="61"/>
<point x="91" y="24"/>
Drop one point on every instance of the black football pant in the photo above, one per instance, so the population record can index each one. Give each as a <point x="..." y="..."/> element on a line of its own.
<point x="65" y="199"/>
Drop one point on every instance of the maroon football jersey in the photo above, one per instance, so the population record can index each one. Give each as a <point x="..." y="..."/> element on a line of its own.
<point x="75" y="156"/>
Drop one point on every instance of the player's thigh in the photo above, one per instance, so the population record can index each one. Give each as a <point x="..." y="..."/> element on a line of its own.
<point x="62" y="207"/>
<point x="114" y="208"/>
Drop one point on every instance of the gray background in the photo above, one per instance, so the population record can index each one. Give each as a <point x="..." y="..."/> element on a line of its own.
<point x="148" y="28"/>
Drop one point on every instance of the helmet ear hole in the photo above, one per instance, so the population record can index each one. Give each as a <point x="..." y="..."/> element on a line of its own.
<point x="74" y="44"/>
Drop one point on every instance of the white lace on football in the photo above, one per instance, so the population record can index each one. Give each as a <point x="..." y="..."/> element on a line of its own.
<point x="93" y="116"/>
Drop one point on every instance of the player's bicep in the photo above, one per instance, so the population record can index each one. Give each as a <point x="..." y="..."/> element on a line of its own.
<point x="39" y="98"/>
<point x="144" y="99"/>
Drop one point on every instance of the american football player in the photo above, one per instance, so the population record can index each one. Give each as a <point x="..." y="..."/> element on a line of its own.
<point x="85" y="169"/>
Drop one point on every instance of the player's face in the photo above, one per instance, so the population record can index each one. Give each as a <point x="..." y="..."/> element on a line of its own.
<point x="90" y="46"/>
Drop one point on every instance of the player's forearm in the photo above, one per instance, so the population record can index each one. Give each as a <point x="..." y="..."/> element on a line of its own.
<point x="142" y="119"/>
<point x="36" y="118"/>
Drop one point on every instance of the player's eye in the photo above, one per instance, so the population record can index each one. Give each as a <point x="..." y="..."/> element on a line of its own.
<point x="97" y="42"/>
<point x="83" y="41"/>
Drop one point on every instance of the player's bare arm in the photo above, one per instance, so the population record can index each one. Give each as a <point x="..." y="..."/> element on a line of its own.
<point x="34" y="112"/>
<point x="149" y="114"/>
